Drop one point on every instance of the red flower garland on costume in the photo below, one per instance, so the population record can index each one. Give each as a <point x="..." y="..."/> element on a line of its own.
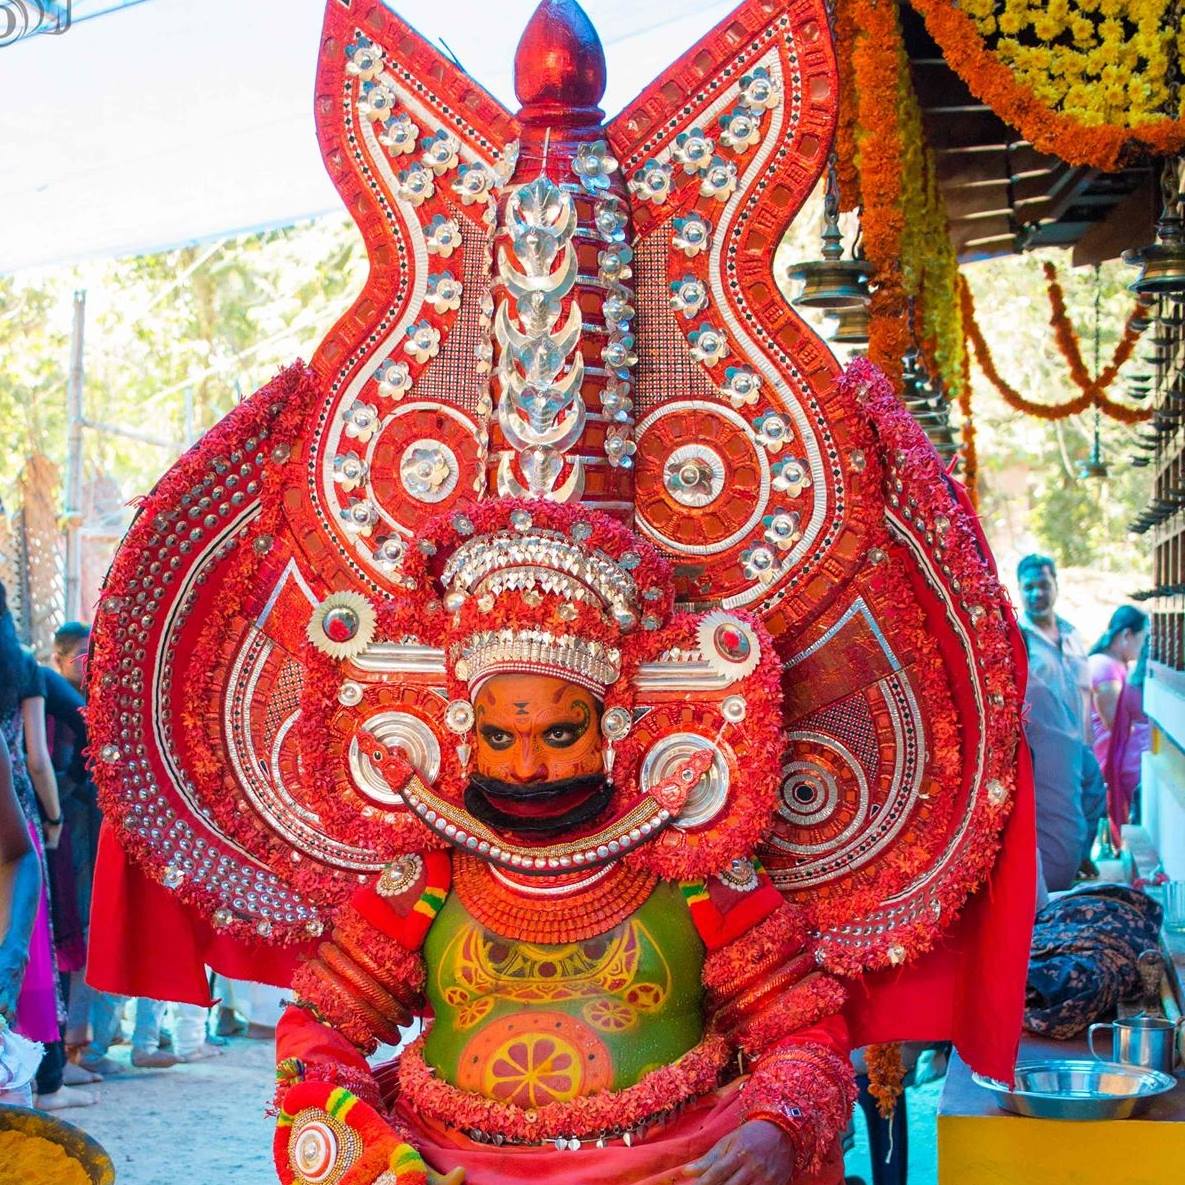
<point x="606" y="1114"/>
<point x="1093" y="390"/>
<point x="1105" y="147"/>
<point x="273" y="416"/>
<point x="808" y="1091"/>
<point x="911" y="461"/>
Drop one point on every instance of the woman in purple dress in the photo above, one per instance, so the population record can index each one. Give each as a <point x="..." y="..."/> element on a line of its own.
<point x="1119" y="727"/>
<point x="39" y="1011"/>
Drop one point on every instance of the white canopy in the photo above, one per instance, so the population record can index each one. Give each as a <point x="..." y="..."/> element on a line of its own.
<point x="173" y="121"/>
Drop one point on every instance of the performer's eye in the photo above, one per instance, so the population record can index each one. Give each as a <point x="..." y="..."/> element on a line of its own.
<point x="560" y="736"/>
<point x="496" y="738"/>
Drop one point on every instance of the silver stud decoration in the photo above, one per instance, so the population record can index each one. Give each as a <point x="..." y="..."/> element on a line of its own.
<point x="692" y="235"/>
<point x="594" y="164"/>
<point x="429" y="470"/>
<point x="349" y="694"/>
<point x="741" y="386"/>
<point x="342" y="625"/>
<point x="689" y="295"/>
<point x="616" y="724"/>
<point x="728" y="645"/>
<point x="733" y="708"/>
<point x="790" y="476"/>
<point x="458" y="716"/>
<point x="399" y="135"/>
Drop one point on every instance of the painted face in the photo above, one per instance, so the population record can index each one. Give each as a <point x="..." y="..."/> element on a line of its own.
<point x="1039" y="591"/>
<point x="536" y="728"/>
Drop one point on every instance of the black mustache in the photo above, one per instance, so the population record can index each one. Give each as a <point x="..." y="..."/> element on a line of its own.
<point x="480" y="791"/>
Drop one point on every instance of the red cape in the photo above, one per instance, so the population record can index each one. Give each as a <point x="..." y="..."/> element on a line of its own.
<point x="144" y="942"/>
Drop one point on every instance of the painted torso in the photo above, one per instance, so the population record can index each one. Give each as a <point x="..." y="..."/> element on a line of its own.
<point x="531" y="1023"/>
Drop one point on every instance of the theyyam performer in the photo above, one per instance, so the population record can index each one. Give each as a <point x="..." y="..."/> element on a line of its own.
<point x="571" y="656"/>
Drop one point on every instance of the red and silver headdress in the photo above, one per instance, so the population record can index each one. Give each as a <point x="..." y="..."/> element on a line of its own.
<point x="569" y="426"/>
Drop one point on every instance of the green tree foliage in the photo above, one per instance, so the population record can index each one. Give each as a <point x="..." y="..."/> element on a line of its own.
<point x="1031" y="494"/>
<point x="172" y="341"/>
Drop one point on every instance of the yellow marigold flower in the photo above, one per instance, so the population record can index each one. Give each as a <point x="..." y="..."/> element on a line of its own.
<point x="1111" y="31"/>
<point x="1010" y="22"/>
<point x="1083" y="30"/>
<point x="1047" y="28"/>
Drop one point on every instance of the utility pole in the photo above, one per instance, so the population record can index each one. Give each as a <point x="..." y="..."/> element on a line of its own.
<point x="72" y="513"/>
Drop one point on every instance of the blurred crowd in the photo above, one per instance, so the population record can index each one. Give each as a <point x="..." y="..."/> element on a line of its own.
<point x="49" y="833"/>
<point x="1086" y="727"/>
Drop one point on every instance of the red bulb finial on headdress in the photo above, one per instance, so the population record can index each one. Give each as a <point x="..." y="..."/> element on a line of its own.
<point x="559" y="67"/>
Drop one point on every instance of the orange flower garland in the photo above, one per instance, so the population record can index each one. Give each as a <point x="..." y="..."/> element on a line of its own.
<point x="1067" y="339"/>
<point x="846" y="147"/>
<point x="1093" y="390"/>
<point x="1106" y="146"/>
<point x="877" y="53"/>
<point x="970" y="455"/>
<point x="886" y="1075"/>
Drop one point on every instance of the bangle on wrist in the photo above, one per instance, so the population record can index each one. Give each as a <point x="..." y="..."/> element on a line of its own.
<point x="54" y="822"/>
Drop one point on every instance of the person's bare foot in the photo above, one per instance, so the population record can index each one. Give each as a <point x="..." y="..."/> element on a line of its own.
<point x="153" y="1061"/>
<point x="76" y="1075"/>
<point x="261" y="1032"/>
<point x="230" y="1024"/>
<point x="202" y="1052"/>
<point x="105" y="1067"/>
<point x="63" y="1097"/>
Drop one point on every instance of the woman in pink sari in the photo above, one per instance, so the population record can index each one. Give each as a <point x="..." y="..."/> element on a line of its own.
<point x="1119" y="727"/>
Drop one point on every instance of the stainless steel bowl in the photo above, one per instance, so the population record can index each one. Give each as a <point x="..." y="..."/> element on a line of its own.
<point x="1078" y="1089"/>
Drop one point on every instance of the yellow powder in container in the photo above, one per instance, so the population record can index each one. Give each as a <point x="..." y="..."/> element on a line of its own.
<point x="30" y="1160"/>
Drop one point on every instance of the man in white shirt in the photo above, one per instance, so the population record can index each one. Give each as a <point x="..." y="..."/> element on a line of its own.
<point x="1071" y="796"/>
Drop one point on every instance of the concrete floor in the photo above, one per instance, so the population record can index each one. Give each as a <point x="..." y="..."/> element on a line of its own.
<point x="208" y="1122"/>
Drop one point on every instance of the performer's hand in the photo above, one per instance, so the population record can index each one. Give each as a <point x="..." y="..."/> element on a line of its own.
<point x="456" y="1177"/>
<point x="757" y="1153"/>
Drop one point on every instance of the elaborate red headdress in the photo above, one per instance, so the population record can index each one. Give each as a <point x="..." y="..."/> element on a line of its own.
<point x="570" y="426"/>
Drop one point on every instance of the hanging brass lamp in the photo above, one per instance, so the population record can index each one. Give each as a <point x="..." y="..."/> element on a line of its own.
<point x="852" y="325"/>
<point x="831" y="282"/>
<point x="1162" y="264"/>
<point x="1147" y="317"/>
<point x="1094" y="468"/>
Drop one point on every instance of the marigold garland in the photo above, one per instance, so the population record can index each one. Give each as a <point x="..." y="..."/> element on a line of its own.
<point x="886" y="1075"/>
<point x="876" y="55"/>
<point x="905" y="227"/>
<point x="970" y="452"/>
<point x="1104" y="146"/>
<point x="1093" y="390"/>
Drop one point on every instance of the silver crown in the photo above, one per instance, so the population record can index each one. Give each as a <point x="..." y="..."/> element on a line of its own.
<point x="543" y="560"/>
<point x="495" y="652"/>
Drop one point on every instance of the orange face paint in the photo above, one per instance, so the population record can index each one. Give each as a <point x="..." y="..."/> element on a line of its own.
<point x="536" y="728"/>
